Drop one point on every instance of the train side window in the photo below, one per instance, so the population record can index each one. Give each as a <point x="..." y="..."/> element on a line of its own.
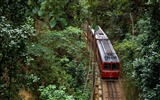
<point x="114" y="66"/>
<point x="107" y="66"/>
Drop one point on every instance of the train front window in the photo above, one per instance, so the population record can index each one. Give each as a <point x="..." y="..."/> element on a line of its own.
<point x="114" y="66"/>
<point x="100" y="33"/>
<point x="107" y="66"/>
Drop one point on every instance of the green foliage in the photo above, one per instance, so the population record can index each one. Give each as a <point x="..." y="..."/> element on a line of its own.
<point x="143" y="63"/>
<point x="44" y="60"/>
<point x="52" y="93"/>
<point x="13" y="55"/>
<point x="147" y="75"/>
<point x="81" y="95"/>
<point x="49" y="9"/>
<point x="127" y="51"/>
<point x="14" y="10"/>
<point x="58" y="57"/>
<point x="146" y="66"/>
<point x="53" y="23"/>
<point x="127" y="48"/>
<point x="63" y="21"/>
<point x="139" y="52"/>
<point x="59" y="13"/>
<point x="111" y="15"/>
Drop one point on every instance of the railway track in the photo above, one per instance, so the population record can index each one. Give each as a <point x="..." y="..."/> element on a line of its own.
<point x="106" y="89"/>
<point x="111" y="90"/>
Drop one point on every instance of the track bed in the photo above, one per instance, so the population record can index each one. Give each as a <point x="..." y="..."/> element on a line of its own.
<point x="111" y="90"/>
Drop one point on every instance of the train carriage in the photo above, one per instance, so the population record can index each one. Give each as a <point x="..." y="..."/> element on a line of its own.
<point x="108" y="60"/>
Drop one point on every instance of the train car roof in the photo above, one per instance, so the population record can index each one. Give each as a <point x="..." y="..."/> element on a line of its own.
<point x="107" y="53"/>
<point x="99" y="34"/>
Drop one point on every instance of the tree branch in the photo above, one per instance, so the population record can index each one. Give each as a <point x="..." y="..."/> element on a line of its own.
<point x="132" y="24"/>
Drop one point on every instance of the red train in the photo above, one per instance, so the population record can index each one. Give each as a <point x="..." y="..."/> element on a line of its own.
<point x="108" y="61"/>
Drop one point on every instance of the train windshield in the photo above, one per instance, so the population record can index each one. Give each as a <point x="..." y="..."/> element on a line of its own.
<point x="114" y="66"/>
<point x="107" y="66"/>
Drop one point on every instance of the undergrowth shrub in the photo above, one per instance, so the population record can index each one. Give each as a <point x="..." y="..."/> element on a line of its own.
<point x="58" y="58"/>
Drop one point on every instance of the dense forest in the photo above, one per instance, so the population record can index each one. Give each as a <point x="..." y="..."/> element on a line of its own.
<point x="43" y="55"/>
